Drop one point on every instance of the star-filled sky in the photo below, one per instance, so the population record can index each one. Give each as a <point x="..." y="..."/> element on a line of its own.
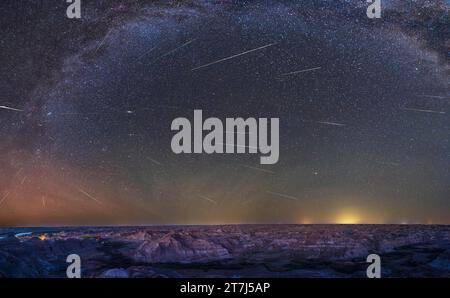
<point x="86" y="107"/>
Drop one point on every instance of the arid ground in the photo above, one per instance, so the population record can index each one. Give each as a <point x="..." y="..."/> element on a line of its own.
<point x="227" y="251"/>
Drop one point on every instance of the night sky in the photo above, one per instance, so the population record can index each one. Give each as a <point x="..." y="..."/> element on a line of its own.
<point x="87" y="105"/>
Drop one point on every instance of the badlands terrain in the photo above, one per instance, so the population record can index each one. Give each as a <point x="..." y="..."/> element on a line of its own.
<point x="227" y="251"/>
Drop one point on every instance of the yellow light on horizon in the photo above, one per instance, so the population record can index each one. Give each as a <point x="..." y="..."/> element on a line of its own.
<point x="306" y="221"/>
<point x="348" y="218"/>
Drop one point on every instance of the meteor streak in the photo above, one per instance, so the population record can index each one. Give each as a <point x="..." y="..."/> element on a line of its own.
<point x="11" y="109"/>
<point x="103" y="40"/>
<point x="147" y="52"/>
<point x="4" y="198"/>
<point x="89" y="196"/>
<point x="232" y="57"/>
<point x="283" y="195"/>
<point x="208" y="199"/>
<point x="433" y="96"/>
<point x="154" y="161"/>
<point x="237" y="145"/>
<point x="423" y="110"/>
<point x="259" y="169"/>
<point x="331" y="123"/>
<point x="172" y="51"/>
<point x="300" y="71"/>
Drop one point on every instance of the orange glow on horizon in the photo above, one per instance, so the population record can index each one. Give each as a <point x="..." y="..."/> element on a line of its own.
<point x="348" y="217"/>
